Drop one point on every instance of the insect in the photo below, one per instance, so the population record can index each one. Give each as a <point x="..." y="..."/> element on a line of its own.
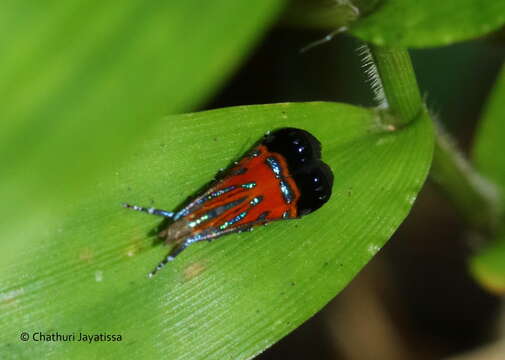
<point x="281" y="177"/>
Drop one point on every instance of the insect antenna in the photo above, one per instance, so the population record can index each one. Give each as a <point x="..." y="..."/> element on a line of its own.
<point x="326" y="39"/>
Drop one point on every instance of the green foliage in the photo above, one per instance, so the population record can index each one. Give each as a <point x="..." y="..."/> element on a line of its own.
<point x="402" y="23"/>
<point x="85" y="86"/>
<point x="89" y="271"/>
<point x="489" y="139"/>
<point x="429" y="22"/>
<point x="320" y="13"/>
<point x="83" y="80"/>
<point x="489" y="265"/>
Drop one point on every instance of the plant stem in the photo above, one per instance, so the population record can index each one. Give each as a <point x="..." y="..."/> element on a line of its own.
<point x="474" y="197"/>
<point x="399" y="84"/>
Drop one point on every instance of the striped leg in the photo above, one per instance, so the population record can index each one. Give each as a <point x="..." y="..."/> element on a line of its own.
<point x="152" y="211"/>
<point x="171" y="257"/>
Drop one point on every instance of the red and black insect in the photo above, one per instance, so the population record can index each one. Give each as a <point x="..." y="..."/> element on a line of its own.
<point x="282" y="177"/>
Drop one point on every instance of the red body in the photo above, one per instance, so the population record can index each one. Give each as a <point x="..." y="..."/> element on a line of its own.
<point x="251" y="178"/>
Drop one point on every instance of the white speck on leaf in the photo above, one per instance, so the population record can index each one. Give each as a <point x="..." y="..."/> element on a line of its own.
<point x="411" y="198"/>
<point x="11" y="295"/>
<point x="384" y="140"/>
<point x="373" y="249"/>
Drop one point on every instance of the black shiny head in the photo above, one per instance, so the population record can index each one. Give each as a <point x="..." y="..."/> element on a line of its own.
<point x="302" y="152"/>
<point x="315" y="186"/>
<point x="299" y="147"/>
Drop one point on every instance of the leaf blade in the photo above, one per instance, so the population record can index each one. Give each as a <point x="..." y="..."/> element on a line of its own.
<point x="236" y="296"/>
<point x="487" y="265"/>
<point x="420" y="24"/>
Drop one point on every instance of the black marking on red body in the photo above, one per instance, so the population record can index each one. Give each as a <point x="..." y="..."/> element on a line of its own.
<point x="302" y="152"/>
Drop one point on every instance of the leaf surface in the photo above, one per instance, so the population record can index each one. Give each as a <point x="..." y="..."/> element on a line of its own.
<point x="489" y="265"/>
<point x="231" y="298"/>
<point x="429" y="23"/>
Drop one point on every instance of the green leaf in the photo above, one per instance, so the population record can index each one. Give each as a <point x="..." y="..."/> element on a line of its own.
<point x="429" y="23"/>
<point x="489" y="265"/>
<point x="84" y="80"/>
<point x="234" y="297"/>
<point x="489" y="139"/>
<point x="320" y="13"/>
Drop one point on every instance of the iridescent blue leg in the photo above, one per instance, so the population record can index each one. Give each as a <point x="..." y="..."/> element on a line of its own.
<point x="171" y="257"/>
<point x="152" y="211"/>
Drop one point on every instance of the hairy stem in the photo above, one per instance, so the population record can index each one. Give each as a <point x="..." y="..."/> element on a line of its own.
<point x="399" y="85"/>
<point x="394" y="83"/>
<point x="475" y="198"/>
